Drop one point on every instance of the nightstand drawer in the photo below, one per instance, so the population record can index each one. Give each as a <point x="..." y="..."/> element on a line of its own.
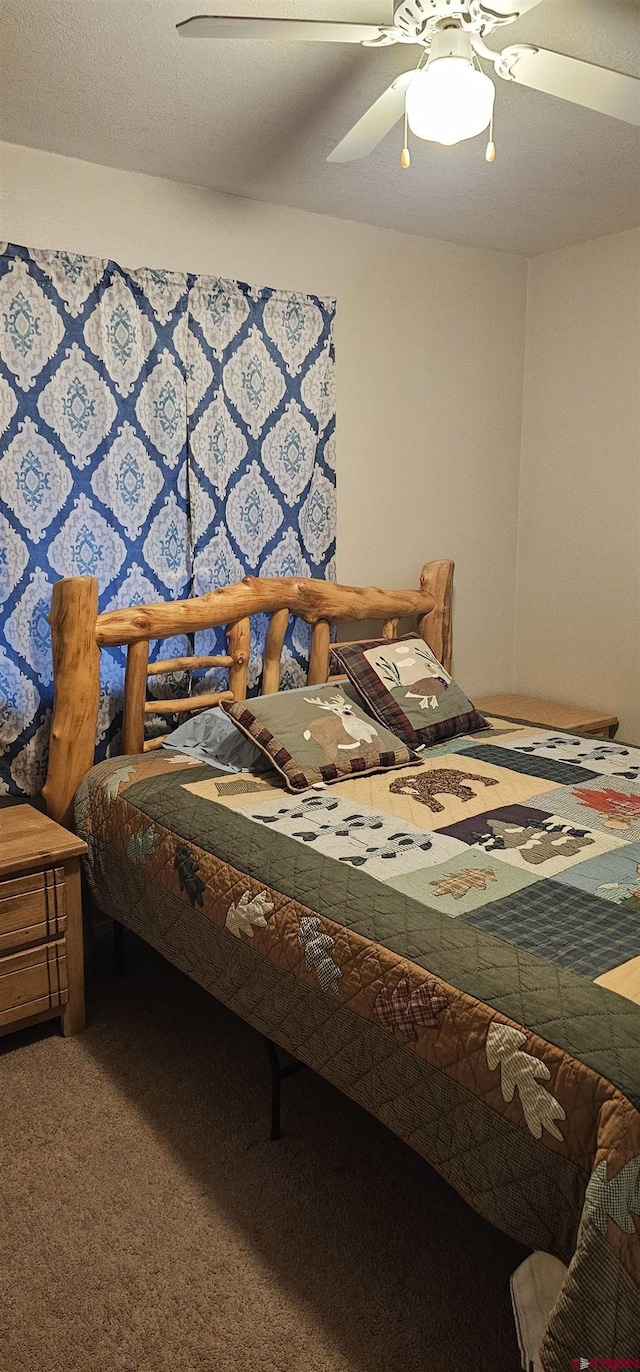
<point x="32" y="908"/>
<point x="33" y="981"/>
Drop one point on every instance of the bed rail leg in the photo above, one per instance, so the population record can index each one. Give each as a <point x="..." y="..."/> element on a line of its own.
<point x="119" y="961"/>
<point x="274" y="1064"/>
<point x="279" y="1070"/>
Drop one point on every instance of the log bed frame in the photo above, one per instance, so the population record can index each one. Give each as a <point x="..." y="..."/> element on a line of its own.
<point x="78" y="633"/>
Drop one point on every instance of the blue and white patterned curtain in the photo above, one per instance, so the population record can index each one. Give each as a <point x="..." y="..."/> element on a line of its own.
<point x="167" y="433"/>
<point x="261" y="447"/>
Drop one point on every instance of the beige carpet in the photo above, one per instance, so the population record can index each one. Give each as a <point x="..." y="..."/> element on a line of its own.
<point x="147" y="1223"/>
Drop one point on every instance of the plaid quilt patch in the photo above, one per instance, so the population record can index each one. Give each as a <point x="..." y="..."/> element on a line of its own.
<point x="563" y="924"/>
<point x="528" y="763"/>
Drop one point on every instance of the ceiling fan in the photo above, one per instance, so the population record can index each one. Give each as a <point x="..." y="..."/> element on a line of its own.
<point x="447" y="97"/>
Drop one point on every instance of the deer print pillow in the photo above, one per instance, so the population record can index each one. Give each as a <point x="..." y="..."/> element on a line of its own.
<point x="402" y="683"/>
<point x="318" y="734"/>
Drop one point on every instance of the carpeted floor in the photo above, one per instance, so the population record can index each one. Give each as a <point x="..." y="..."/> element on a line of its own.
<point x="147" y="1223"/>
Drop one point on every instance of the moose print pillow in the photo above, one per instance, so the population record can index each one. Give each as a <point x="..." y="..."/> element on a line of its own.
<point x="317" y="734"/>
<point x="406" y="688"/>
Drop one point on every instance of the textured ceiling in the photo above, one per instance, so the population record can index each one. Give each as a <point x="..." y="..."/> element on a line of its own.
<point x="111" y="82"/>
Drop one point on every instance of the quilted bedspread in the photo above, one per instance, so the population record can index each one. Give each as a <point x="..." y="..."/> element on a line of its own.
<point x="455" y="945"/>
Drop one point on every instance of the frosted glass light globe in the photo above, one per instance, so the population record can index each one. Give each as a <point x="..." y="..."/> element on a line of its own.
<point x="449" y="101"/>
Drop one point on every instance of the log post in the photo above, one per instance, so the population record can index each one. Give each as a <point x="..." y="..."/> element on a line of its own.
<point x="276" y="631"/>
<point x="135" y="694"/>
<point x="76" y="667"/>
<point x="435" y="627"/>
<point x="239" y="646"/>
<point x="390" y="628"/>
<point x="319" y="654"/>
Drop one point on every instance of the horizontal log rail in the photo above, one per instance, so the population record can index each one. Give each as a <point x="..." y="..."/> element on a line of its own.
<point x="185" y="705"/>
<point x="187" y="664"/>
<point x="311" y="600"/>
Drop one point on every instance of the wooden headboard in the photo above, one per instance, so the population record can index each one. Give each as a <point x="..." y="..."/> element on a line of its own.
<point x="78" y="633"/>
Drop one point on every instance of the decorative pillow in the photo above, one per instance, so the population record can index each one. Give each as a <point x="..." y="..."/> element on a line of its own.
<point x="405" y="687"/>
<point x="317" y="735"/>
<point x="214" y="739"/>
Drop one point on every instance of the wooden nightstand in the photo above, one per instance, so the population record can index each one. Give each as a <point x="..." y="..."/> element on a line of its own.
<point x="41" y="945"/>
<point x="548" y="715"/>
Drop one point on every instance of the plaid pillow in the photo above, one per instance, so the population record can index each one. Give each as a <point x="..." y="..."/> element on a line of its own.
<point x="402" y="683"/>
<point x="319" y="734"/>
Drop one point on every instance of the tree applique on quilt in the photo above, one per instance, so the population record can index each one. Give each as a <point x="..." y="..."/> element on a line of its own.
<point x="425" y="786"/>
<point x="536" y="842"/>
<point x="619" y="809"/>
<point x="614" y="1198"/>
<point x="188" y="874"/>
<point x="457" y="884"/>
<point x="407" y="1009"/>
<point x="521" y="1070"/>
<point x="317" y="945"/>
<point x="248" y="914"/>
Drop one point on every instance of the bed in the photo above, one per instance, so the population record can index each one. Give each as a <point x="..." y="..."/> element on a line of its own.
<point x="456" y="945"/>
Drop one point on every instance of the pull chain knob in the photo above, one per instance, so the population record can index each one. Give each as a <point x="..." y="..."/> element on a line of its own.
<point x="490" y="154"/>
<point x="405" y="155"/>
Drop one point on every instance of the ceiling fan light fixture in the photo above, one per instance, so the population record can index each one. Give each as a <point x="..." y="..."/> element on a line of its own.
<point x="450" y="100"/>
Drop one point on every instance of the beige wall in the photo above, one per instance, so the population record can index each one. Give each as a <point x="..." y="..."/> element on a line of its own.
<point x="438" y="453"/>
<point x="578" y="587"/>
<point x="430" y="342"/>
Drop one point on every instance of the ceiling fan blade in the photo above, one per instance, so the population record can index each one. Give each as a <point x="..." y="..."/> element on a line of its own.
<point x="378" y="121"/>
<point x="597" y="88"/>
<point x="501" y="9"/>
<point x="279" y="30"/>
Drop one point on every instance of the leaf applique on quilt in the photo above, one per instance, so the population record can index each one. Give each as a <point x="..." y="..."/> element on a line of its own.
<point x="187" y="869"/>
<point x="242" y="918"/>
<point x="316" y="946"/>
<point x="519" y="1069"/>
<point x="616" y="1198"/>
<point x="142" y="844"/>
<point x="619" y="808"/>
<point x="112" y="784"/>
<point x="458" y="883"/>
<point x="407" y="1009"/>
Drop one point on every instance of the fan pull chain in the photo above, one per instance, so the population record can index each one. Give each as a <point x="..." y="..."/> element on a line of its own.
<point x="490" y="154"/>
<point x="405" y="155"/>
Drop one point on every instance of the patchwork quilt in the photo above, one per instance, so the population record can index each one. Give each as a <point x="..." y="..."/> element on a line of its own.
<point x="455" y="945"/>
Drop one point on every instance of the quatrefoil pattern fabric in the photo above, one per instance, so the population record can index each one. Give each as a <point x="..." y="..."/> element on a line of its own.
<point x="166" y="433"/>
